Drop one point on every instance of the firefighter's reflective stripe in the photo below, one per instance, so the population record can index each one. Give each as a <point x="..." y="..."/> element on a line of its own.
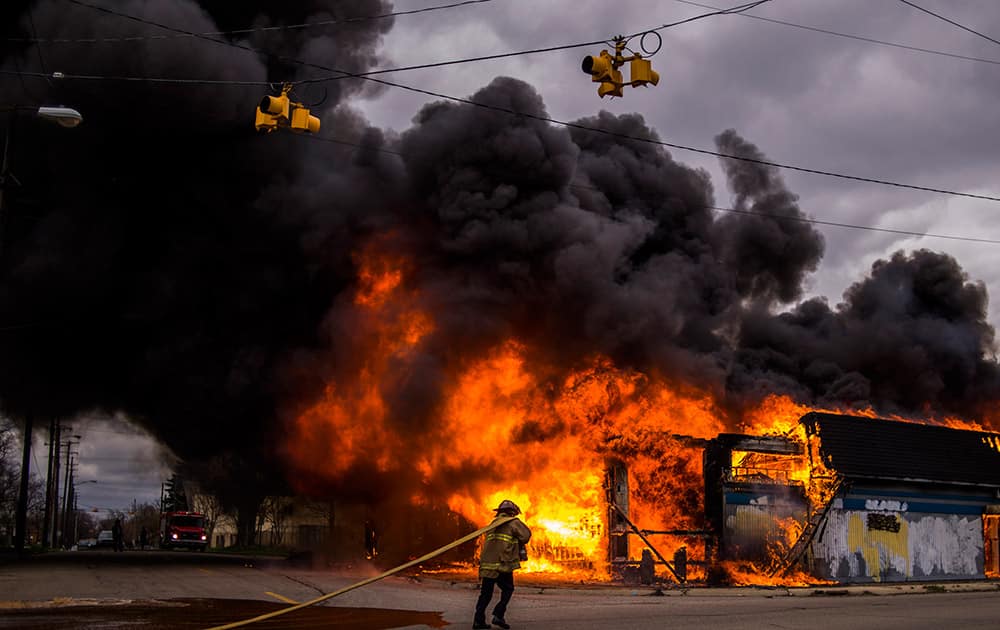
<point x="504" y="537"/>
<point x="493" y="566"/>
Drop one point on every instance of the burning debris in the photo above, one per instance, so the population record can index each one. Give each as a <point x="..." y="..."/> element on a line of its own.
<point x="486" y="306"/>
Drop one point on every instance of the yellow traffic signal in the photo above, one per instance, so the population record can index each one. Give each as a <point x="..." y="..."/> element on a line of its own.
<point x="641" y="72"/>
<point x="302" y="120"/>
<point x="604" y="69"/>
<point x="275" y="105"/>
<point x="281" y="111"/>
<point x="598" y="67"/>
<point x="601" y="69"/>
<point x="265" y="122"/>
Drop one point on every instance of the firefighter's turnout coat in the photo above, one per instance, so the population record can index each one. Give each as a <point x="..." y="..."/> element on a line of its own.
<point x="500" y="549"/>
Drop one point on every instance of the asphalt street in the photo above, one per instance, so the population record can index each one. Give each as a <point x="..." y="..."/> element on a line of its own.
<point x="190" y="590"/>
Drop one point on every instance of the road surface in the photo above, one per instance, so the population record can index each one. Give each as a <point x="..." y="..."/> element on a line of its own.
<point x="193" y="590"/>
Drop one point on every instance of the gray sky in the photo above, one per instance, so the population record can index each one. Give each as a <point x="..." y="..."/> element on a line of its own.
<point x="124" y="461"/>
<point x="805" y="98"/>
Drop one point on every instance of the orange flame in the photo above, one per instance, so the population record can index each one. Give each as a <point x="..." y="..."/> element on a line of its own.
<point x="509" y="426"/>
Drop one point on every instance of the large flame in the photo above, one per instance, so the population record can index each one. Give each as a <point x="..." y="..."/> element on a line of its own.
<point x="510" y="427"/>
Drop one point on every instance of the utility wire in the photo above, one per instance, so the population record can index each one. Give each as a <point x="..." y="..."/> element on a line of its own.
<point x="682" y="147"/>
<point x="554" y="121"/>
<point x="730" y="11"/>
<point x="858" y="227"/>
<point x="34" y="33"/>
<point x="952" y="22"/>
<point x="850" y="36"/>
<point x="241" y="31"/>
<point x="344" y="75"/>
<point x="754" y="213"/>
<point x="134" y="79"/>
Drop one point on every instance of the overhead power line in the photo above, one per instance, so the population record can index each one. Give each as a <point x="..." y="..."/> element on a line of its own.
<point x="730" y="11"/>
<point x="952" y="22"/>
<point x="770" y="215"/>
<point x="133" y="79"/>
<point x="240" y="31"/>
<point x="554" y="121"/>
<point x="850" y="36"/>
<point x="345" y="75"/>
<point x="520" y="114"/>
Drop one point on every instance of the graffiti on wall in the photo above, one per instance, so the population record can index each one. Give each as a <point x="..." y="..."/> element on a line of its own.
<point x="895" y="546"/>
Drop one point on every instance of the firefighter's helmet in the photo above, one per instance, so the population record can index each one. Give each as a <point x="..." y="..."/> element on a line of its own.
<point x="508" y="507"/>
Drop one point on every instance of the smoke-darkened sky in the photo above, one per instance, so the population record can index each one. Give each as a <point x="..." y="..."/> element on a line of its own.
<point x="163" y="261"/>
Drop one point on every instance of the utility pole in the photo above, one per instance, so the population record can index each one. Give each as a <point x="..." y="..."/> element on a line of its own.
<point x="61" y="533"/>
<point x="68" y="503"/>
<point x="70" y="473"/>
<point x="4" y="175"/>
<point x="54" y="528"/>
<point x="47" y="519"/>
<point x="66" y="117"/>
<point x="21" y="518"/>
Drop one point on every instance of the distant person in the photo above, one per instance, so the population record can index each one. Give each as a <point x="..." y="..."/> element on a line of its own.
<point x="143" y="537"/>
<point x="371" y="540"/>
<point x="116" y="535"/>
<point x="502" y="553"/>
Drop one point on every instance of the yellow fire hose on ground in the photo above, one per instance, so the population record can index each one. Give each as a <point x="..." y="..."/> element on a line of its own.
<point x="322" y="598"/>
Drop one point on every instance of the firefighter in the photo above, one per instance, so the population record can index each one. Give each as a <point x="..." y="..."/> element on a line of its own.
<point x="501" y="556"/>
<point x="117" y="535"/>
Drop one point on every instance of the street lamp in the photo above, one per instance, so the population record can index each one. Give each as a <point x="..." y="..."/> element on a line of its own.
<point x="64" y="116"/>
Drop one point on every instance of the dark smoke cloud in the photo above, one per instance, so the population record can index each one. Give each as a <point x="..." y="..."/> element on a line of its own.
<point x="199" y="277"/>
<point x="150" y="265"/>
<point x="911" y="337"/>
<point x="769" y="257"/>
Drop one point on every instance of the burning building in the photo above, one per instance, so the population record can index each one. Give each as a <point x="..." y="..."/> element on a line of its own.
<point x="883" y="501"/>
<point x="915" y="501"/>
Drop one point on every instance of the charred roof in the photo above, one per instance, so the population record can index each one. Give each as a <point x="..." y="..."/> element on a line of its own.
<point x="887" y="449"/>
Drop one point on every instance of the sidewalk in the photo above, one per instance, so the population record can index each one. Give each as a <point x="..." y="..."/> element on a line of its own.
<point x="525" y="587"/>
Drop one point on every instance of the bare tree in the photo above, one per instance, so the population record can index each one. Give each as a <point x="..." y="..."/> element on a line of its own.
<point x="9" y="481"/>
<point x="275" y="511"/>
<point x="212" y="508"/>
<point x="36" y="508"/>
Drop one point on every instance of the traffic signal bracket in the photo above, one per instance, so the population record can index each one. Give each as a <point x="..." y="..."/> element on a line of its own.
<point x="603" y="68"/>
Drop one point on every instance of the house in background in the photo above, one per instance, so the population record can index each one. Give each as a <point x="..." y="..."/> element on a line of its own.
<point x="282" y="521"/>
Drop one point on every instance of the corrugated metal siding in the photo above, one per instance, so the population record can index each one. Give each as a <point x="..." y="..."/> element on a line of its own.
<point x="757" y="525"/>
<point x="888" y="541"/>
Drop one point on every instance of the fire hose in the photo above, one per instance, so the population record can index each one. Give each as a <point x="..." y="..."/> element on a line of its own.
<point x="322" y="598"/>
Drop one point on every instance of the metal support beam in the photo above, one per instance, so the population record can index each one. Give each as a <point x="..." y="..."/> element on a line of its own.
<point x="639" y="533"/>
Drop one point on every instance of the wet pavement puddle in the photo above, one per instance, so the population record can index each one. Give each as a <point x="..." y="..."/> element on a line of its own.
<point x="203" y="613"/>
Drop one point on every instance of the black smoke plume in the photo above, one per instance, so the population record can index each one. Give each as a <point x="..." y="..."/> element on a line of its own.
<point x="910" y="338"/>
<point x="164" y="261"/>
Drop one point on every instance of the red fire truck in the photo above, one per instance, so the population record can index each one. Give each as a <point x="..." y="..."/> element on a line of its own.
<point x="183" y="529"/>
